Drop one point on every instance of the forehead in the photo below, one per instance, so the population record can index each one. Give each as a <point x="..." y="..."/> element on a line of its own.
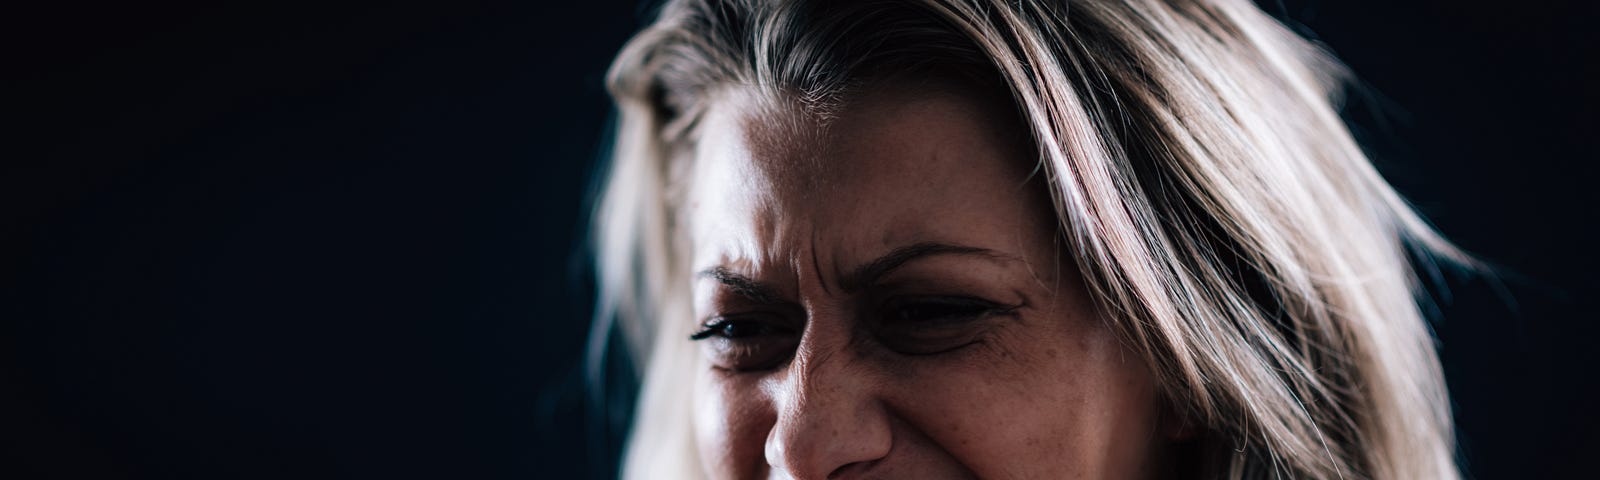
<point x="890" y="165"/>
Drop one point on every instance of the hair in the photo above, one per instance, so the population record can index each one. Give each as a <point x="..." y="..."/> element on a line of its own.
<point x="1216" y="205"/>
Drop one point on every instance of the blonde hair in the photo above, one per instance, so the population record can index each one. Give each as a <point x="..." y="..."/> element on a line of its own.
<point x="1214" y="201"/>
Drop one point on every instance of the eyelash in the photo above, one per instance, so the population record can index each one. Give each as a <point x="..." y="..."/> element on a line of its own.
<point x="933" y="325"/>
<point x="916" y="325"/>
<point x="944" y="308"/>
<point x="747" y="342"/>
<point x="961" y="307"/>
<point x="718" y="326"/>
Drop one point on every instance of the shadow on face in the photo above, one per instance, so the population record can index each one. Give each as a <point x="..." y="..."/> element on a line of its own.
<point x="883" y="295"/>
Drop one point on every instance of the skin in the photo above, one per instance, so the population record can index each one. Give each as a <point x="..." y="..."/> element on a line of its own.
<point x="822" y="358"/>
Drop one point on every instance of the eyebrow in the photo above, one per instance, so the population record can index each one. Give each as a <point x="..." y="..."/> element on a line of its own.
<point x="870" y="273"/>
<point x="863" y="275"/>
<point x="742" y="285"/>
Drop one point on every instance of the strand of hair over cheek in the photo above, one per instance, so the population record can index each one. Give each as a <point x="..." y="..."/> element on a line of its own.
<point x="1299" y="280"/>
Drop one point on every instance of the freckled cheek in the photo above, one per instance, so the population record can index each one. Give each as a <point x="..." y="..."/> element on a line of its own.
<point x="999" y="404"/>
<point x="731" y="421"/>
<point x="959" y="402"/>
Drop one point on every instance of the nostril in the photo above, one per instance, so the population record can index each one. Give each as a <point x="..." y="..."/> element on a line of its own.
<point x="852" y="471"/>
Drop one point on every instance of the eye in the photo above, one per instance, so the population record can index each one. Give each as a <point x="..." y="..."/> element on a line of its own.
<point x="731" y="329"/>
<point x="929" y="310"/>
<point x="747" y="342"/>
<point x="926" y="325"/>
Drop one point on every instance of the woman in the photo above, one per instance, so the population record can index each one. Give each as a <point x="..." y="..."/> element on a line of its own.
<point x="1008" y="239"/>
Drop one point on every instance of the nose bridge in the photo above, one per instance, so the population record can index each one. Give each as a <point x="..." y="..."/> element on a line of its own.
<point x="829" y="415"/>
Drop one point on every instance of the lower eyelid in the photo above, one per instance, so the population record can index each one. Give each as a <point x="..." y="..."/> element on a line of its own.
<point x="941" y="350"/>
<point x="936" y="337"/>
<point x="751" y="354"/>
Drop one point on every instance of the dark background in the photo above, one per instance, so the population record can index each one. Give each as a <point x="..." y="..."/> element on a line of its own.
<point x="345" y="240"/>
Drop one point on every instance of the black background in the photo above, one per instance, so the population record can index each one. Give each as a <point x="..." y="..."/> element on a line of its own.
<point x="345" y="240"/>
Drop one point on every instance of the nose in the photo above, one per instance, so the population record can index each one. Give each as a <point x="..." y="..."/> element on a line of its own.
<point x="830" y="423"/>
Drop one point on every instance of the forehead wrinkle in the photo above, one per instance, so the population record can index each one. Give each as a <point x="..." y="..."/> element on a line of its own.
<point x="730" y="200"/>
<point x="790" y="161"/>
<point x="816" y="264"/>
<point x="788" y="143"/>
<point x="782" y="170"/>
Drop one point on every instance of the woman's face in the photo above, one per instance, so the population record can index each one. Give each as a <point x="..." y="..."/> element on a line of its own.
<point x="887" y="299"/>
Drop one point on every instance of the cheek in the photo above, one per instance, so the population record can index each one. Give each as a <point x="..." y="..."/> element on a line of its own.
<point x="1051" y="403"/>
<point x="731" y="422"/>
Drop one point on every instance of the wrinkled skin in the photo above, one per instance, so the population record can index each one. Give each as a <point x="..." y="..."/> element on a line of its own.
<point x="886" y="297"/>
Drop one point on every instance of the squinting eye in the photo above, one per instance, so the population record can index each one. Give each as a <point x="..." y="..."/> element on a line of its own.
<point x="743" y="343"/>
<point x="935" y="324"/>
<point x="731" y="329"/>
<point x="939" y="309"/>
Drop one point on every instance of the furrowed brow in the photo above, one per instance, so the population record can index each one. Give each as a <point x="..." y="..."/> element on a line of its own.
<point x="742" y="285"/>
